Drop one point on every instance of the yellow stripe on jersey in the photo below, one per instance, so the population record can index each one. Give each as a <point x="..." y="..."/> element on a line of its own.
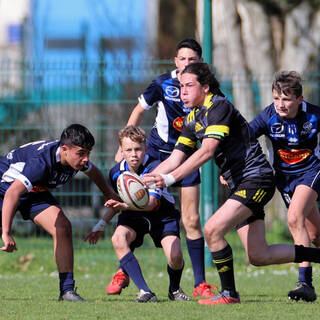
<point x="217" y="130"/>
<point x="259" y="195"/>
<point x="186" y="141"/>
<point x="191" y="116"/>
<point x="207" y="102"/>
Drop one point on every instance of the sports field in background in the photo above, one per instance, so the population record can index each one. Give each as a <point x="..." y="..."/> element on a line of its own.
<point x="29" y="288"/>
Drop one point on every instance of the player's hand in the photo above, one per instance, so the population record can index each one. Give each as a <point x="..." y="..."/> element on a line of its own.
<point x="223" y="182"/>
<point x="93" y="237"/>
<point x="118" y="157"/>
<point x="153" y="180"/>
<point x="9" y="243"/>
<point x="117" y="205"/>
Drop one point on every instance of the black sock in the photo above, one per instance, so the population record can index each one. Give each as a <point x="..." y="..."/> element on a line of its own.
<point x="306" y="254"/>
<point x="175" y="277"/>
<point x="223" y="260"/>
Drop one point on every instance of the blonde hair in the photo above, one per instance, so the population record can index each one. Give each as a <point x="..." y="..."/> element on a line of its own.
<point x="134" y="133"/>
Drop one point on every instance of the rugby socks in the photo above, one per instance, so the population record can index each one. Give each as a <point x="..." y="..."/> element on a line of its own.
<point x="174" y="277"/>
<point x="223" y="260"/>
<point x="130" y="265"/>
<point x="66" y="282"/>
<point x="305" y="275"/>
<point x="196" y="253"/>
<point x="306" y="254"/>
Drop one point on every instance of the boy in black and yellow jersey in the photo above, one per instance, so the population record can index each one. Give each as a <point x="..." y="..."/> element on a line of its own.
<point x="226" y="136"/>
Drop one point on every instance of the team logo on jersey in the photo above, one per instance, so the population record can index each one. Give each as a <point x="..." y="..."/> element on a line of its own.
<point x="277" y="130"/>
<point x="172" y="93"/>
<point x="178" y="123"/>
<point x="307" y="128"/>
<point x="294" y="156"/>
<point x="241" y="193"/>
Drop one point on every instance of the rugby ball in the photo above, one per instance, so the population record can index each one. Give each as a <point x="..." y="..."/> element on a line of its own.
<point x="132" y="191"/>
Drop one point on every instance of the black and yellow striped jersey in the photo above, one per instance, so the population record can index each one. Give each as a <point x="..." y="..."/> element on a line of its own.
<point x="239" y="154"/>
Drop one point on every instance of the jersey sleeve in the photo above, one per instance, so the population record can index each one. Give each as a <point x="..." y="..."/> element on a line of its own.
<point x="151" y="95"/>
<point x="35" y="171"/>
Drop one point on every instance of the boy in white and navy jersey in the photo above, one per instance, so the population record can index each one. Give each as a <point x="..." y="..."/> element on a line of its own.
<point x="27" y="175"/>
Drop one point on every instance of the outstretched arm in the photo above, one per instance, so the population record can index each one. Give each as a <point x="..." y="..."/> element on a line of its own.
<point x="195" y="161"/>
<point x="10" y="204"/>
<point x="97" y="177"/>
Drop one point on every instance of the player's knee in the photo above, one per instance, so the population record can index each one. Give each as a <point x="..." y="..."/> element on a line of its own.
<point x="63" y="226"/>
<point x="118" y="240"/>
<point x="257" y="259"/>
<point x="294" y="221"/>
<point x="191" y="222"/>
<point x="176" y="262"/>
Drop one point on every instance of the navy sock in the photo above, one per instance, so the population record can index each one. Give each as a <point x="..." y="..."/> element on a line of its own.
<point x="130" y="265"/>
<point x="174" y="277"/>
<point x="66" y="282"/>
<point x="196" y="253"/>
<point x="305" y="275"/>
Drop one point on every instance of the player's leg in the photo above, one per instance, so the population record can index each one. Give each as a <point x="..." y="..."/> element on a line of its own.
<point x="229" y="215"/>
<point x="53" y="220"/>
<point x="189" y="198"/>
<point x="301" y="207"/>
<point x="172" y="249"/>
<point x="313" y="225"/>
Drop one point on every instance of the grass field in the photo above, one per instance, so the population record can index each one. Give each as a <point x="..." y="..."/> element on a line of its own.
<point x="29" y="289"/>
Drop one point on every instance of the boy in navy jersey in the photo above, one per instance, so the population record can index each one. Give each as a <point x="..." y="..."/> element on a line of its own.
<point x="159" y="218"/>
<point x="164" y="93"/>
<point x="226" y="136"/>
<point x="293" y="125"/>
<point x="27" y="175"/>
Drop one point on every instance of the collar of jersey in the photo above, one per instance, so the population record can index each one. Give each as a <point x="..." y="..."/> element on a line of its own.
<point x="58" y="158"/>
<point x="174" y="74"/>
<point x="124" y="165"/>
<point x="207" y="102"/>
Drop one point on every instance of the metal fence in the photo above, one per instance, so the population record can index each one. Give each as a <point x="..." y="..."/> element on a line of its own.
<point x="39" y="99"/>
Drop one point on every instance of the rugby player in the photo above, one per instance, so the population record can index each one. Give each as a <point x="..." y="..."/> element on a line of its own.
<point x="226" y="136"/>
<point x="27" y="175"/>
<point x="164" y="93"/>
<point x="159" y="218"/>
<point x="292" y="124"/>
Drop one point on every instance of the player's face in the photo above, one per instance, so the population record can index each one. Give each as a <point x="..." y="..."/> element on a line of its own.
<point x="133" y="152"/>
<point x="193" y="93"/>
<point x="184" y="57"/>
<point x="287" y="106"/>
<point x="74" y="156"/>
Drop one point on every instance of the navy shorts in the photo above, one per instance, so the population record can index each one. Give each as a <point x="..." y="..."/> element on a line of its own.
<point x="287" y="184"/>
<point x="32" y="203"/>
<point x="254" y="193"/>
<point x="192" y="179"/>
<point x="157" y="226"/>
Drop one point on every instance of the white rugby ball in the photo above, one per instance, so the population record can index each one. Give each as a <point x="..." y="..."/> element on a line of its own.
<point x="132" y="191"/>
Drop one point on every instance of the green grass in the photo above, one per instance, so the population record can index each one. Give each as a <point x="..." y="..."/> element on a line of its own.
<point x="29" y="289"/>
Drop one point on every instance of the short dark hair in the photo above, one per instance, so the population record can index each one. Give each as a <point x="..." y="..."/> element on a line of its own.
<point x="134" y="133"/>
<point x="288" y="82"/>
<point x="204" y="75"/>
<point x="191" y="44"/>
<point x="77" y="135"/>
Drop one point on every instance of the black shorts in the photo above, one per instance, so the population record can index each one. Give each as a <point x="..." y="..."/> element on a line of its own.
<point x="157" y="226"/>
<point x="254" y="193"/>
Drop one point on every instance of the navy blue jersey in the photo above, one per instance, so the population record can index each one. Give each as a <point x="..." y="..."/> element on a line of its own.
<point x="294" y="142"/>
<point x="238" y="154"/>
<point x="164" y="93"/>
<point x="37" y="165"/>
<point x="148" y="165"/>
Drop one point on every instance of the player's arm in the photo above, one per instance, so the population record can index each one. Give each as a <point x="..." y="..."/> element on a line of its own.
<point x="195" y="161"/>
<point x="97" y="177"/>
<point x="134" y="120"/>
<point x="98" y="229"/>
<point x="10" y="204"/>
